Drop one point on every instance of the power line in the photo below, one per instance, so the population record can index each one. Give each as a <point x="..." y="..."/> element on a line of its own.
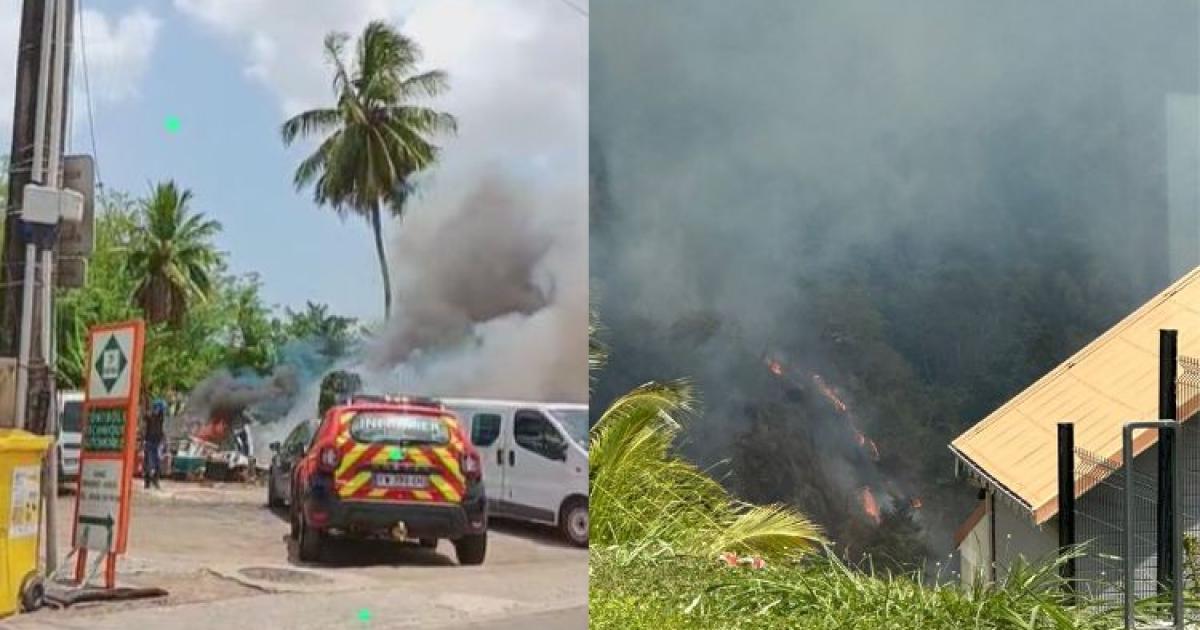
<point x="574" y="7"/>
<point x="87" y="88"/>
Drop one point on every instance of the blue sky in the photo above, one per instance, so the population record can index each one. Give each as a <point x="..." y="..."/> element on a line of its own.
<point x="232" y="70"/>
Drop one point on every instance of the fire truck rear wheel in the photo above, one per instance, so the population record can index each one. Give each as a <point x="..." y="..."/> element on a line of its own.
<point x="294" y="520"/>
<point x="310" y="542"/>
<point x="471" y="549"/>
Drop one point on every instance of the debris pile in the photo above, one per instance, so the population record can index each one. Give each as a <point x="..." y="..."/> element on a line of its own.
<point x="211" y="436"/>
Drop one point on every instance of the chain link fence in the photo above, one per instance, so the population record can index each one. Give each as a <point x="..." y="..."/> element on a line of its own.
<point x="1100" y="527"/>
<point x="1100" y="510"/>
<point x="1187" y="394"/>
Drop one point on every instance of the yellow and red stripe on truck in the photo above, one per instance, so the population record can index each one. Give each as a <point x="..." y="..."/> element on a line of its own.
<point x="358" y="462"/>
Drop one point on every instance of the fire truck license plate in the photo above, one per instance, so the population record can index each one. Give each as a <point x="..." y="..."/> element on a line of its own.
<point x="400" y="480"/>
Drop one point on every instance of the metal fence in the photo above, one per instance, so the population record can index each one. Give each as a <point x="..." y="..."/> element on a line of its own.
<point x="1099" y="523"/>
<point x="1187" y="392"/>
<point x="1100" y="508"/>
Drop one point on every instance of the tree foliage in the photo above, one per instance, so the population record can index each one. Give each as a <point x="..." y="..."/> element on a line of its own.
<point x="377" y="135"/>
<point x="171" y="255"/>
<point x="230" y="328"/>
<point x="334" y="334"/>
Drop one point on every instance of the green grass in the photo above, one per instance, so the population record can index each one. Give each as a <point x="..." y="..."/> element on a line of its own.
<point x="632" y="589"/>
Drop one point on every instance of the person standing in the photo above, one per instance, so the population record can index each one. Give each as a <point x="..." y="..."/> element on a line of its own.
<point x="152" y="440"/>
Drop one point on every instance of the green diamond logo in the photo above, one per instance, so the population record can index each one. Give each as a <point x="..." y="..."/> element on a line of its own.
<point x="111" y="363"/>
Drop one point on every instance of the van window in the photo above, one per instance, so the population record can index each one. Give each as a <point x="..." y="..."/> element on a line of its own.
<point x="575" y="422"/>
<point x="485" y="428"/>
<point x="72" y="417"/>
<point x="533" y="432"/>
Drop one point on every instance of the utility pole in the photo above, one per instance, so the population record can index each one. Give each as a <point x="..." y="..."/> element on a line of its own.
<point x="21" y="161"/>
<point x="31" y="223"/>
<point x="39" y="130"/>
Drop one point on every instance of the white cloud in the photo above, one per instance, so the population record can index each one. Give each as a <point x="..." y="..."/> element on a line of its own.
<point x="518" y="68"/>
<point x="119" y="52"/>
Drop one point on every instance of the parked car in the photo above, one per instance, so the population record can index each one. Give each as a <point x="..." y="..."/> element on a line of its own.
<point x="535" y="460"/>
<point x="70" y="437"/>
<point x="283" y="461"/>
<point x="387" y="467"/>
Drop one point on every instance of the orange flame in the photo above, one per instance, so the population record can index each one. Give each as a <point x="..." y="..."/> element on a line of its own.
<point x="870" y="446"/>
<point x="775" y="366"/>
<point x="830" y="394"/>
<point x="917" y="503"/>
<point x="870" y="506"/>
<point x="864" y="442"/>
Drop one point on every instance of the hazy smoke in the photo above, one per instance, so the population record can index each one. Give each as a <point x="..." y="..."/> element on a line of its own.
<point x="491" y="298"/>
<point x="743" y="151"/>
<point x="491" y="301"/>
<point x="224" y="394"/>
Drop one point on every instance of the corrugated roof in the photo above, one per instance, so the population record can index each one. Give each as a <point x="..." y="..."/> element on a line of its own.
<point x="1111" y="381"/>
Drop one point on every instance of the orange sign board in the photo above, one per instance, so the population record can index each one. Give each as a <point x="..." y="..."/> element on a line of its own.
<point x="108" y="448"/>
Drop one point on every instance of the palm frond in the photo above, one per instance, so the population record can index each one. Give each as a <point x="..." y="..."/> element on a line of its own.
<point x="308" y="123"/>
<point x="768" y="530"/>
<point x="424" y="85"/>
<point x="335" y="44"/>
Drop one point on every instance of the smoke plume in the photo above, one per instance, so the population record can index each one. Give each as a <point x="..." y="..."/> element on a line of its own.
<point x="225" y="395"/>
<point x="491" y="301"/>
<point x="944" y="172"/>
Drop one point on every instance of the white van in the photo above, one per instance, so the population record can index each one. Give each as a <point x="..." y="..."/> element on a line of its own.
<point x="535" y="460"/>
<point x="70" y="436"/>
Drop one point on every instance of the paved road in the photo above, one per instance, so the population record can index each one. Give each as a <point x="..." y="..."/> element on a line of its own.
<point x="569" y="618"/>
<point x="226" y="562"/>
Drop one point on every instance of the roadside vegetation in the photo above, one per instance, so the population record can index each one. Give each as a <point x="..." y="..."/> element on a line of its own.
<point x="155" y="258"/>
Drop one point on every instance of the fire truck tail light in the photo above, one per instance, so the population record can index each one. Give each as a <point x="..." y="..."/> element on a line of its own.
<point x="471" y="465"/>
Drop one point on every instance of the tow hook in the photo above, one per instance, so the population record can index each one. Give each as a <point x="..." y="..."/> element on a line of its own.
<point x="400" y="531"/>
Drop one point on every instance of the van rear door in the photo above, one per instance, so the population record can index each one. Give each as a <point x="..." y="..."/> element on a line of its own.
<point x="537" y="468"/>
<point x="488" y="435"/>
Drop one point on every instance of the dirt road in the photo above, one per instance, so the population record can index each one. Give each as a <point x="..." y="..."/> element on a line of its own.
<point x="225" y="560"/>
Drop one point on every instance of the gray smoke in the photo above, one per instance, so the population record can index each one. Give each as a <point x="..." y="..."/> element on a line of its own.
<point x="742" y="150"/>
<point x="491" y="301"/>
<point x="225" y="394"/>
<point x="491" y="297"/>
<point x="476" y="265"/>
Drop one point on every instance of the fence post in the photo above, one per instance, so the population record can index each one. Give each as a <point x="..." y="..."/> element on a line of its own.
<point x="1066" y="501"/>
<point x="1168" y="355"/>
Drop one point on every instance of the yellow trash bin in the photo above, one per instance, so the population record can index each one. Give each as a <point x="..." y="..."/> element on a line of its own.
<point x="21" y="456"/>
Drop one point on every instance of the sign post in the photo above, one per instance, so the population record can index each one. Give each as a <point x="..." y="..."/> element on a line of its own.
<point x="107" y="457"/>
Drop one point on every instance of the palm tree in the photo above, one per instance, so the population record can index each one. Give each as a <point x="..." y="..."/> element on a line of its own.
<point x="377" y="136"/>
<point x="171" y="256"/>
